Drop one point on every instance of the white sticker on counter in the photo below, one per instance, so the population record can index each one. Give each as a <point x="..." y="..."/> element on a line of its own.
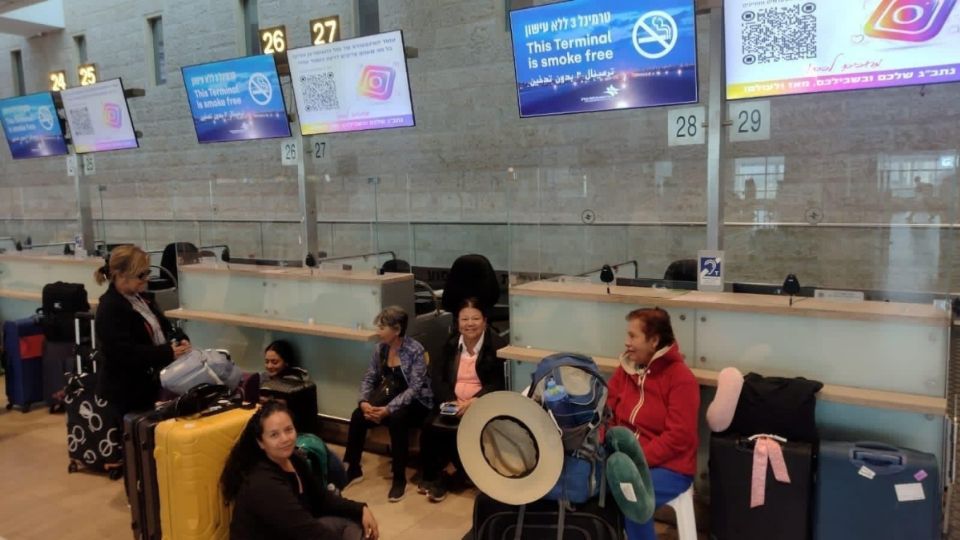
<point x="909" y="492"/>
<point x="866" y="472"/>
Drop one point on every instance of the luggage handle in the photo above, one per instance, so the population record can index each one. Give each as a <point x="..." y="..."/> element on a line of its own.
<point x="880" y="457"/>
<point x="297" y="374"/>
<point x="93" y="339"/>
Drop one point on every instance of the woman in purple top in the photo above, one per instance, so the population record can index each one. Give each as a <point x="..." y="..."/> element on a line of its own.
<point x="395" y="392"/>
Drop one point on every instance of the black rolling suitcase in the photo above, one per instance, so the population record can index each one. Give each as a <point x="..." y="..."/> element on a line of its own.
<point x="94" y="427"/>
<point x="493" y="520"/>
<point x="300" y="395"/>
<point x="876" y="491"/>
<point x="786" y="510"/>
<point x="61" y="304"/>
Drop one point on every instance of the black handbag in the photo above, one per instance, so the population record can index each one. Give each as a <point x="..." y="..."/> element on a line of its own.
<point x="387" y="388"/>
<point x="61" y="302"/>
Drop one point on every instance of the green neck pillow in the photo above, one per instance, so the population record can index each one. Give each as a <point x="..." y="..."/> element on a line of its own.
<point x="628" y="475"/>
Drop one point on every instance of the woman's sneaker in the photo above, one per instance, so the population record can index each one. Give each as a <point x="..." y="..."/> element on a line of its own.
<point x="423" y="487"/>
<point x="354" y="476"/>
<point x="437" y="492"/>
<point x="397" y="491"/>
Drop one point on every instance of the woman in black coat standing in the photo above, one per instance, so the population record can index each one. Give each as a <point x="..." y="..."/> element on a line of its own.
<point x="134" y="337"/>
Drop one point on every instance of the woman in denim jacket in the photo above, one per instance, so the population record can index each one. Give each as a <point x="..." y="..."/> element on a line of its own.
<point x="394" y="392"/>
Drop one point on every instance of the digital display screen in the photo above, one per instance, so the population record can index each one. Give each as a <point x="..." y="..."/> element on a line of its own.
<point x="777" y="47"/>
<point x="31" y="126"/>
<point x="599" y="55"/>
<point x="236" y="100"/>
<point x="98" y="117"/>
<point x="352" y="85"/>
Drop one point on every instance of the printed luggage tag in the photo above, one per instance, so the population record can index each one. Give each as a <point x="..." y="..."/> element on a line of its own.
<point x="909" y="492"/>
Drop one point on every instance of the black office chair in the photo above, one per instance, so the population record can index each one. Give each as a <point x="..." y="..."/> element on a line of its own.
<point x="173" y="256"/>
<point x="681" y="270"/>
<point x="473" y="276"/>
<point x="396" y="266"/>
<point x="425" y="299"/>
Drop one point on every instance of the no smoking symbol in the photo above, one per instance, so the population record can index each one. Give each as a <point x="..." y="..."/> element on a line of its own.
<point x="655" y="34"/>
<point x="588" y="216"/>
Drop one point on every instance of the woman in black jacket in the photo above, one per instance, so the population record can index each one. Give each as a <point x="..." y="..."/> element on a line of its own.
<point x="468" y="369"/>
<point x="274" y="494"/>
<point x="133" y="335"/>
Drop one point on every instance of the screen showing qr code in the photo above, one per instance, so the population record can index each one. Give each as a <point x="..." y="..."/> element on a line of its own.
<point x="789" y="47"/>
<point x="777" y="34"/>
<point x="98" y="117"/>
<point x="80" y="122"/>
<point x="319" y="91"/>
<point x="354" y="84"/>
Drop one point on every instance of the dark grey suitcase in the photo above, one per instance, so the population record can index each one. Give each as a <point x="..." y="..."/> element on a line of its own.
<point x="857" y="493"/>
<point x="58" y="362"/>
<point x="140" y="473"/>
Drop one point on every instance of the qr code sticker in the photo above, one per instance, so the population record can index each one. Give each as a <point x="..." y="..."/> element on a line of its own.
<point x="778" y="34"/>
<point x="319" y="92"/>
<point x="80" y="122"/>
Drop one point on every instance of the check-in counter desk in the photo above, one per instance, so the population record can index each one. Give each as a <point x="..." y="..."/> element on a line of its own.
<point x="883" y="364"/>
<point x="327" y="315"/>
<point x="23" y="276"/>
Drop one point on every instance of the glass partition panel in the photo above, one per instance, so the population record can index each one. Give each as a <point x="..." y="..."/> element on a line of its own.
<point x="458" y="214"/>
<point x="853" y="190"/>
<point x="347" y="221"/>
<point x="636" y="217"/>
<point x="41" y="217"/>
<point x="258" y="219"/>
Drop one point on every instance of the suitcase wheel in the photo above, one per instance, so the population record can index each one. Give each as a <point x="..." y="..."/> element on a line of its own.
<point x="9" y="406"/>
<point x="72" y="468"/>
<point x="116" y="473"/>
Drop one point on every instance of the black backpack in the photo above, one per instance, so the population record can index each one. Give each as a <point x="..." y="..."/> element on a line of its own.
<point x="61" y="302"/>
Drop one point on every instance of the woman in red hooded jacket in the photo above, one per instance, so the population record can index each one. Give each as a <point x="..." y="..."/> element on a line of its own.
<point x="655" y="395"/>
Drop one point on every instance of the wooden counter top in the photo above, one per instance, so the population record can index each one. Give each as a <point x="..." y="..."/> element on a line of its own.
<point x="21" y="295"/>
<point x="880" y="399"/>
<point x="92" y="262"/>
<point x="740" y="302"/>
<point x="294" y="327"/>
<point x="300" y="274"/>
<point x="35" y="296"/>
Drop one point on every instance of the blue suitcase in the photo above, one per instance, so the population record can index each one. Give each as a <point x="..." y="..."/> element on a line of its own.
<point x="23" y="346"/>
<point x="876" y="491"/>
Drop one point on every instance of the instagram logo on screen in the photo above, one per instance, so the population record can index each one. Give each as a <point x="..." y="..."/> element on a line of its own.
<point x="112" y="115"/>
<point x="376" y="82"/>
<point x="909" y="20"/>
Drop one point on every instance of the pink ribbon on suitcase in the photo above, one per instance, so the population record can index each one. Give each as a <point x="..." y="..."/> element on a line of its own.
<point x="766" y="449"/>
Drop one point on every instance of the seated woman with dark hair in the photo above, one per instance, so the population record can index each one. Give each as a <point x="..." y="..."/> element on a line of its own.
<point x="279" y="359"/>
<point x="468" y="369"/>
<point x="274" y="494"/>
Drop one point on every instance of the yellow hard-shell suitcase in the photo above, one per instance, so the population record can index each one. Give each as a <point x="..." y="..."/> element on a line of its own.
<point x="190" y="455"/>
